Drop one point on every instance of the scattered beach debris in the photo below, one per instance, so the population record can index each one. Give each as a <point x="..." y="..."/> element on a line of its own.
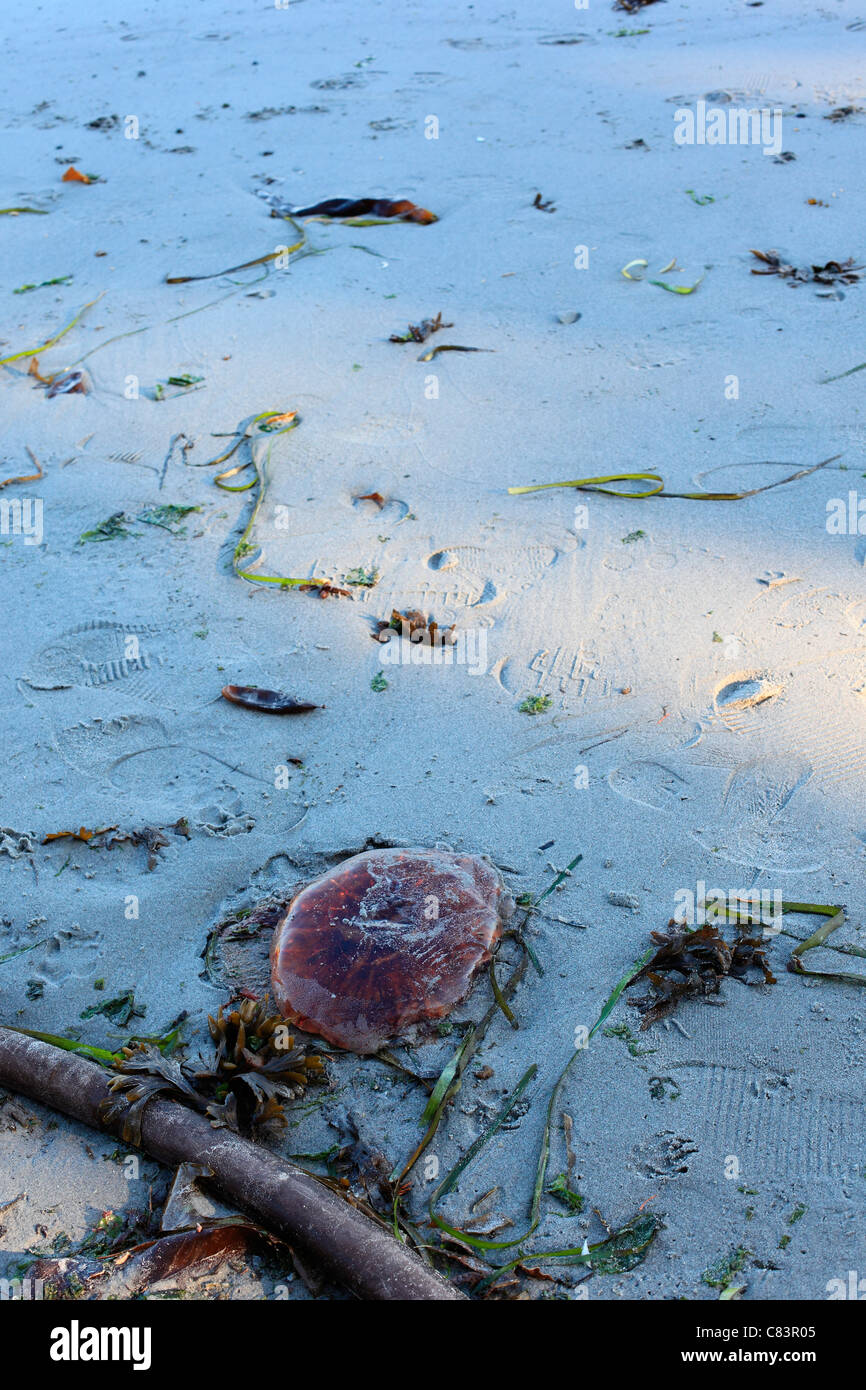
<point x="565" y="1195"/>
<point x="314" y="1217"/>
<point x="115" y="527"/>
<point x="152" y="837"/>
<point x="258" y="431"/>
<point x="183" y="383"/>
<point x="658" y="489"/>
<point x="73" y="175"/>
<point x="269" y="701"/>
<point x="66" y="384"/>
<point x="535" y="704"/>
<point x="721" y="1274"/>
<point x="168" y="515"/>
<point x="44" y="284"/>
<point x="360" y="578"/>
<point x="16" y="212"/>
<point x="640" y="264"/>
<point x="420" y="332"/>
<point x="385" y="941"/>
<point x="449" y="347"/>
<point x="281" y="253"/>
<point x="372" y="497"/>
<point x="833" y="273"/>
<point x="850" y="372"/>
<point x="677" y="289"/>
<point x="692" y="964"/>
<point x="701" y="199"/>
<point x="24" y="477"/>
<point x="367" y="212"/>
<point x="416" y="626"/>
<point x="256" y="1070"/>
<point x="568" y="316"/>
<point x="37" y="351"/>
<point x="111" y="529"/>
<point x="378" y="683"/>
<point x="120" y="1010"/>
<point x="841" y="113"/>
<point x="632" y="6"/>
<point x="539" y="202"/>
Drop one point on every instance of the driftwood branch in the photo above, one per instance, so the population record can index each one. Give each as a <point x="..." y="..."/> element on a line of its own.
<point x="340" y="1240"/>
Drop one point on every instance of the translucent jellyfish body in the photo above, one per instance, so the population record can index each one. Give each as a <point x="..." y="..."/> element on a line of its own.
<point x="386" y="940"/>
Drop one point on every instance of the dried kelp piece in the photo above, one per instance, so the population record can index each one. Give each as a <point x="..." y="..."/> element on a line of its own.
<point x="539" y="202"/>
<point x="386" y="209"/>
<point x="152" y="837"/>
<point x="388" y="939"/>
<point x="632" y="6"/>
<point x="82" y="834"/>
<point x="420" y="332"/>
<point x="24" y="477"/>
<point x="449" y="347"/>
<point x="841" y="113"/>
<point x="834" y="272"/>
<point x="417" y="627"/>
<point x="269" y="701"/>
<point x="692" y="964"/>
<point x="73" y="175"/>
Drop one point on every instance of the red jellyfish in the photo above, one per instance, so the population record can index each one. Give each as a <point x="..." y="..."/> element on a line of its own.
<point x="388" y="939"/>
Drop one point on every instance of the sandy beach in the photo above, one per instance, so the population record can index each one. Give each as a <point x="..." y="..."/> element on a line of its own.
<point x="692" y="671"/>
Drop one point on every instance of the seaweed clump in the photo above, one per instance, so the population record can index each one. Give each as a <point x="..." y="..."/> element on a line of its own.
<point x="692" y="964"/>
<point x="257" y="1068"/>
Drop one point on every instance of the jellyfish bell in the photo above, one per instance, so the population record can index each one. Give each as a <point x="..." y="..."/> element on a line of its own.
<point x="385" y="942"/>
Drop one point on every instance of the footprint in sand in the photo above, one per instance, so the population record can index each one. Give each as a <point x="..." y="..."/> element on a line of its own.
<point x="72" y="953"/>
<point x="97" y="745"/>
<point x="101" y="654"/>
<point x="754" y="823"/>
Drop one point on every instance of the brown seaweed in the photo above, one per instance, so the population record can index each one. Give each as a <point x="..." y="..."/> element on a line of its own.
<point x="692" y="964"/>
<point x="833" y="273"/>
<point x="400" y="210"/>
<point x="420" y="332"/>
<point x="256" y="1069"/>
<point x="416" y="626"/>
<point x="268" y="701"/>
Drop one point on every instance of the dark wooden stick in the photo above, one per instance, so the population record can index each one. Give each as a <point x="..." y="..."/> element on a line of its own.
<point x="340" y="1240"/>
